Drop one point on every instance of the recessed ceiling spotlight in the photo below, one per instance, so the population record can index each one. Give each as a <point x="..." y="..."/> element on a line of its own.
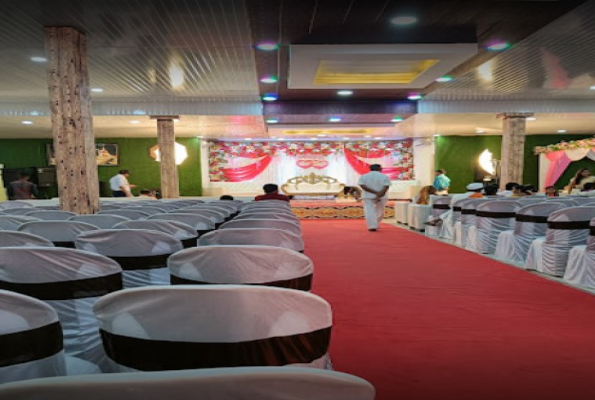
<point x="313" y="138"/>
<point x="280" y="138"/>
<point x="562" y="131"/>
<point x="269" y="79"/>
<point x="479" y="131"/>
<point x="415" y="96"/>
<point x="445" y="78"/>
<point x="267" y="46"/>
<point x="200" y="137"/>
<point x="436" y="135"/>
<point x="346" y="138"/>
<point x="592" y="88"/>
<point x="368" y="136"/>
<point x="272" y="121"/>
<point x="321" y="135"/>
<point x="531" y="119"/>
<point x="270" y="97"/>
<point x="498" y="45"/>
<point x="345" y="92"/>
<point x="404" y="20"/>
<point x="176" y="119"/>
<point x="27" y="122"/>
<point x="248" y="138"/>
<point x="334" y="119"/>
<point x="38" y="59"/>
<point x="97" y="90"/>
<point x="397" y="119"/>
<point x="135" y="122"/>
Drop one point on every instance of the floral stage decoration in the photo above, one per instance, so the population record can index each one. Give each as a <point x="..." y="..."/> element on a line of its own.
<point x="587" y="143"/>
<point x="556" y="158"/>
<point x="220" y="154"/>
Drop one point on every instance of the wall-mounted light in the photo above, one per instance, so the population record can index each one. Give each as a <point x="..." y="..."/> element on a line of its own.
<point x="181" y="153"/>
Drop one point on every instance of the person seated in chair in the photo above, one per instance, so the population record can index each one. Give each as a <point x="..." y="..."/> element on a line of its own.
<point x="353" y="191"/>
<point x="147" y="194"/>
<point x="226" y="197"/>
<point x="424" y="195"/>
<point x="271" y="192"/>
<point x="551" y="191"/>
<point x="474" y="191"/>
<point x="491" y="190"/>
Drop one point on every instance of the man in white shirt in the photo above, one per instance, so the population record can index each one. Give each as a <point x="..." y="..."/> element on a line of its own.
<point x="375" y="187"/>
<point x="119" y="184"/>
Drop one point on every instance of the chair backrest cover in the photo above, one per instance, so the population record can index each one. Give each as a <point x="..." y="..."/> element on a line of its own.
<point x="440" y="205"/>
<point x="531" y="220"/>
<point x="569" y="227"/>
<point x="262" y="383"/>
<point x="213" y="207"/>
<point x="268" y="203"/>
<point x="12" y="222"/>
<point x="102" y="221"/>
<point x="279" y="210"/>
<point x="457" y="209"/>
<point x="215" y="216"/>
<point x="267" y="215"/>
<point x="124" y="212"/>
<point x="48" y="215"/>
<point x="230" y="205"/>
<point x="20" y="211"/>
<point x="253" y="236"/>
<point x="31" y="340"/>
<point x="15" y="239"/>
<point x="264" y="265"/>
<point x="263" y="223"/>
<point x="61" y="233"/>
<point x="496" y="215"/>
<point x="198" y="222"/>
<point x="179" y="230"/>
<point x="469" y="210"/>
<point x="208" y="326"/>
<point x="150" y="210"/>
<point x="5" y="205"/>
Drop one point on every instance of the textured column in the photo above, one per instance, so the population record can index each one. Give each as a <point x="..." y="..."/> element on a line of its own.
<point x="72" y="119"/>
<point x="170" y="188"/>
<point x="513" y="147"/>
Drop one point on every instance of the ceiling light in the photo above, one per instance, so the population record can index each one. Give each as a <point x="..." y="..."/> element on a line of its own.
<point x="345" y="92"/>
<point x="415" y="96"/>
<point x="267" y="46"/>
<point x="592" y="88"/>
<point x="436" y="135"/>
<point x="479" y="131"/>
<point x="270" y="97"/>
<point x="274" y="137"/>
<point x="38" y="59"/>
<point x="200" y="137"/>
<point x="346" y="138"/>
<point x="498" y="45"/>
<point x="280" y="138"/>
<point x="445" y="78"/>
<point x="97" y="90"/>
<point x="269" y="79"/>
<point x="248" y="138"/>
<point x="135" y="122"/>
<point x="334" y="119"/>
<point x="321" y="135"/>
<point x="313" y="138"/>
<point x="404" y="20"/>
<point x="368" y="136"/>
<point x="272" y="121"/>
<point x="561" y="130"/>
<point x="27" y="122"/>
<point x="397" y="119"/>
<point x="531" y="119"/>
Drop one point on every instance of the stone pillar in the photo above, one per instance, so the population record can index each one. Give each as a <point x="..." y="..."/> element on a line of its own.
<point x="513" y="147"/>
<point x="170" y="187"/>
<point x="72" y="119"/>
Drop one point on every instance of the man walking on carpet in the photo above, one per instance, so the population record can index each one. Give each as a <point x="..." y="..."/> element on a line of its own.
<point x="375" y="188"/>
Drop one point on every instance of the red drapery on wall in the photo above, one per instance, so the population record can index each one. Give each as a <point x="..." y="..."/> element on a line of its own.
<point x="248" y="172"/>
<point x="363" y="168"/>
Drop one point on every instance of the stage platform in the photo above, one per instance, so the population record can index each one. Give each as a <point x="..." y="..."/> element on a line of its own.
<point x="333" y="209"/>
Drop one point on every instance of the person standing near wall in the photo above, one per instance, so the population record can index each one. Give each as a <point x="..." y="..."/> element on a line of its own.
<point x="119" y="184"/>
<point x="441" y="183"/>
<point x="375" y="188"/>
<point x="22" y="189"/>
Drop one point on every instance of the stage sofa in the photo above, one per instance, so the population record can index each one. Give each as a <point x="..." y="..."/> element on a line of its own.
<point x="313" y="185"/>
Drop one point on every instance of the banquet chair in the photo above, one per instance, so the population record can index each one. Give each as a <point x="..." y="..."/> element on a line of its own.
<point x="264" y="223"/>
<point x="491" y="218"/>
<point x="17" y="239"/>
<point x="181" y="231"/>
<point x="266" y="203"/>
<point x="417" y="216"/>
<point x="440" y="205"/>
<point x="230" y="205"/>
<point x="102" y="221"/>
<point x="5" y="205"/>
<point x="217" y="217"/>
<point x="213" y="326"/>
<point x="70" y="281"/>
<point x="150" y="210"/>
<point x="130" y="214"/>
<point x="247" y="383"/>
<point x="567" y="228"/>
<point x="582" y="200"/>
<point x="580" y="268"/>
<point x="208" y="206"/>
<point x="110" y="206"/>
<point x="61" y="233"/>
<point x="530" y="224"/>
<point x="468" y="217"/>
<point x="141" y="253"/>
<point x="253" y="236"/>
<point x="447" y="230"/>
<point x="12" y="222"/>
<point x="167" y="207"/>
<point x="200" y="223"/>
<point x="32" y="342"/>
<point x="401" y="208"/>
<point x="241" y="265"/>
<point x="47" y="215"/>
<point x="261" y="209"/>
<point x="19" y="211"/>
<point x="267" y="215"/>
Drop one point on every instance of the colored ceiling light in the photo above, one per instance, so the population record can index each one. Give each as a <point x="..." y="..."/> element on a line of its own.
<point x="415" y="96"/>
<point x="445" y="78"/>
<point x="397" y="119"/>
<point x="270" y="97"/>
<point x="269" y="79"/>
<point x="345" y="92"/>
<point x="267" y="46"/>
<point x="272" y="121"/>
<point x="498" y="45"/>
<point x="404" y="20"/>
<point x="334" y="119"/>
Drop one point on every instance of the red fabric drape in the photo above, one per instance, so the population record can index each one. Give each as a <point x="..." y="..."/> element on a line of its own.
<point x="248" y="172"/>
<point x="362" y="167"/>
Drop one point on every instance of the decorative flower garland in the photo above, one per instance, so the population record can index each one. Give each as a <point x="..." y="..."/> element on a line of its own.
<point x="571" y="145"/>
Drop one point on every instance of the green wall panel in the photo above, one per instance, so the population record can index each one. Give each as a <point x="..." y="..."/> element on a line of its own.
<point x="134" y="155"/>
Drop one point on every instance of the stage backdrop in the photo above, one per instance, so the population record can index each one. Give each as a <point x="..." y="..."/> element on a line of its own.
<point x="265" y="162"/>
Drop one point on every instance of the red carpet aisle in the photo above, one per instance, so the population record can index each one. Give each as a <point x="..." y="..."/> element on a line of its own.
<point x="424" y="320"/>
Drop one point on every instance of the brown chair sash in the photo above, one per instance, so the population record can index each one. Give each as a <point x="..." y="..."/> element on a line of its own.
<point x="68" y="245"/>
<point x="468" y="212"/>
<point x="531" y="218"/>
<point x="35" y="344"/>
<point x="302" y="283"/>
<point x="188" y="243"/>
<point x="159" y="355"/>
<point x="592" y="231"/>
<point x="457" y="209"/>
<point x="441" y="206"/>
<point x="67" y="290"/>
<point x="496" y="214"/>
<point x="568" y="225"/>
<point x="140" y="263"/>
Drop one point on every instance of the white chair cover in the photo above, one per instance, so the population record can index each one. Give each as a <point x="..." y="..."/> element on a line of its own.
<point x="130" y="214"/>
<point x="150" y="210"/>
<point x="591" y="204"/>
<point x="165" y="206"/>
<point x="102" y="221"/>
<point x="16" y="239"/>
<point x="492" y="217"/>
<point x="451" y="219"/>
<point x="580" y="269"/>
<point x="440" y="205"/>
<point x="215" y="216"/>
<point x="281" y="210"/>
<point x="567" y="228"/>
<point x="70" y="281"/>
<point x="417" y="215"/>
<point x="248" y="383"/>
<point x="61" y="233"/>
<point x="19" y="211"/>
<point x="468" y="217"/>
<point x="201" y="223"/>
<point x="401" y="208"/>
<point x="5" y="205"/>
<point x="230" y="205"/>
<point x="287" y="225"/>
<point x="207" y="326"/>
<point x="254" y="265"/>
<point x="267" y="215"/>
<point x="181" y="231"/>
<point x="266" y="203"/>
<point x="581" y="200"/>
<point x="141" y="253"/>
<point x="253" y="236"/>
<point x="225" y="211"/>
<point x="12" y="222"/>
<point x="47" y="215"/>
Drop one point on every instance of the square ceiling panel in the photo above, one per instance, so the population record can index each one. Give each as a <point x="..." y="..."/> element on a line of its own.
<point x="374" y="66"/>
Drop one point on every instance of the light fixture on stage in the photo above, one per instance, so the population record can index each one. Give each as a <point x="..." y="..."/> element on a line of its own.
<point x="489" y="165"/>
<point x="181" y="153"/>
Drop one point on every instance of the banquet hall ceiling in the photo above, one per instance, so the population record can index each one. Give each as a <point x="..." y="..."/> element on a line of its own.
<point x="196" y="58"/>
